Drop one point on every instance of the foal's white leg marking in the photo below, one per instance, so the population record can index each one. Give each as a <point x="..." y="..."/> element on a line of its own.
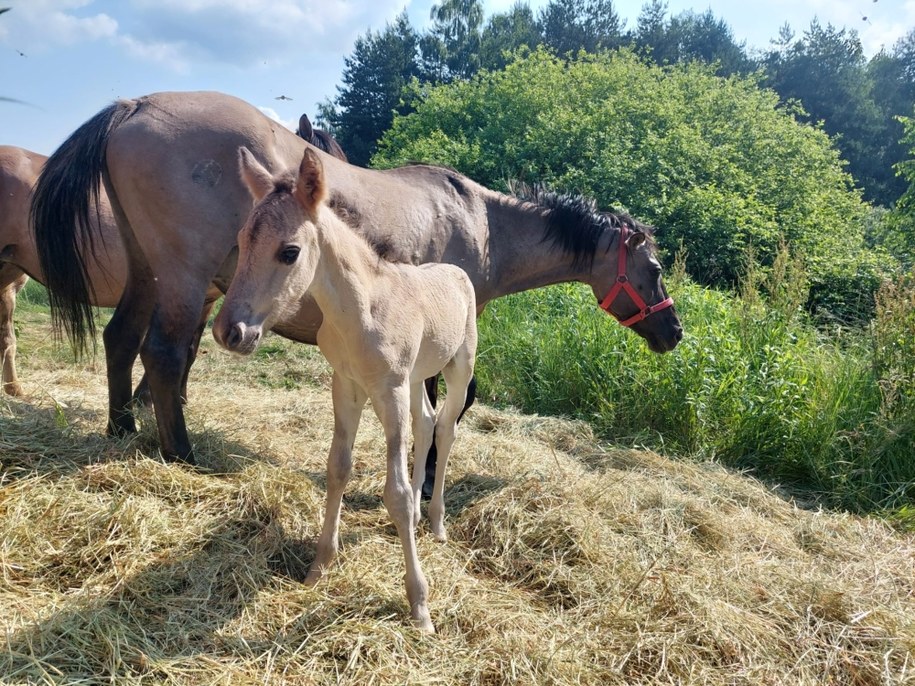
<point x="392" y="405"/>
<point x="348" y="400"/>
<point x="457" y="374"/>
<point x="423" y="433"/>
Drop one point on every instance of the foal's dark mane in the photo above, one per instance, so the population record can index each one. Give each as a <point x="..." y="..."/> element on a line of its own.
<point x="574" y="224"/>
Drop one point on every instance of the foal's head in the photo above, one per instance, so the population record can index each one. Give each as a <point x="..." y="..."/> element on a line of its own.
<point x="277" y="249"/>
<point x="618" y="257"/>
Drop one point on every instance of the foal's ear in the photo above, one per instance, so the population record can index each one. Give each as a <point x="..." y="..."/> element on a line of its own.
<point x="256" y="177"/>
<point x="310" y="187"/>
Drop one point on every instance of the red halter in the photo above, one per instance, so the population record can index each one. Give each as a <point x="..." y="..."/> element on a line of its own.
<point x="622" y="284"/>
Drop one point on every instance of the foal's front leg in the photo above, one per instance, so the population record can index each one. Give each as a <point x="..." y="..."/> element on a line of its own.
<point x="348" y="400"/>
<point x="393" y="409"/>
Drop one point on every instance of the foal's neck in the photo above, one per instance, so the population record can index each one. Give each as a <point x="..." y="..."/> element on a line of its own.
<point x="346" y="272"/>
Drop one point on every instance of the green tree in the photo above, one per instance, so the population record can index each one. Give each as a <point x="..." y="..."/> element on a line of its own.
<point x="899" y="236"/>
<point x="893" y="77"/>
<point x="688" y="37"/>
<point x="714" y="162"/>
<point x="568" y="26"/>
<point x="374" y="77"/>
<point x="451" y="49"/>
<point x="825" y="70"/>
<point x="505" y="33"/>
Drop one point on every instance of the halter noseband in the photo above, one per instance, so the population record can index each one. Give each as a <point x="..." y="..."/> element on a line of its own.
<point x="622" y="284"/>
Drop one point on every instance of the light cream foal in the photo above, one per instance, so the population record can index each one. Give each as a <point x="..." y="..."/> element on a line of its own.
<point x="386" y="328"/>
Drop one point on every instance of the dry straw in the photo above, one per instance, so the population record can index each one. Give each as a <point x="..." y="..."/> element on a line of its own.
<point x="568" y="563"/>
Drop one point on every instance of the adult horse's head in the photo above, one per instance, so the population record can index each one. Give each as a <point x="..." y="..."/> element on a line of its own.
<point x="618" y="258"/>
<point x="277" y="250"/>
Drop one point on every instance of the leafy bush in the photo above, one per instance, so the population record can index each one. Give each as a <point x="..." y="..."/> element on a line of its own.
<point x="753" y="384"/>
<point x="713" y="162"/>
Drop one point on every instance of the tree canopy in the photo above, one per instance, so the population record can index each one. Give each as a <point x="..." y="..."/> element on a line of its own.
<point x="714" y="162"/>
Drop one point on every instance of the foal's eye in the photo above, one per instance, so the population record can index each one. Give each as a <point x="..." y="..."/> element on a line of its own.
<point x="289" y="254"/>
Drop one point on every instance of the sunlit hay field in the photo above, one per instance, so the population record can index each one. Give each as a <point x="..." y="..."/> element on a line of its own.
<point x="568" y="562"/>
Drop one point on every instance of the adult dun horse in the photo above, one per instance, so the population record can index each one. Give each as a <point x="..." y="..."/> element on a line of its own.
<point x="19" y="170"/>
<point x="387" y="327"/>
<point x="168" y="162"/>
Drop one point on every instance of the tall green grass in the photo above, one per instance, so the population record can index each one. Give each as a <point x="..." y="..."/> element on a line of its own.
<point x="753" y="384"/>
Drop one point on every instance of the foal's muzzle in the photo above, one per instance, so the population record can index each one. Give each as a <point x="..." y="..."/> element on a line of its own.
<point x="237" y="337"/>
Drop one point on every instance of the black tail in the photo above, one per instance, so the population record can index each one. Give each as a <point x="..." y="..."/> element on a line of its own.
<point x="66" y="192"/>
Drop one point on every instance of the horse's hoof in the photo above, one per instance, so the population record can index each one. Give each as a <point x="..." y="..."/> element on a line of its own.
<point x="424" y="624"/>
<point x="122" y="428"/>
<point x="14" y="389"/>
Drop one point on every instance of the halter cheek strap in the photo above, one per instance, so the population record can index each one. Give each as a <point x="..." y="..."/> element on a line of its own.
<point x="622" y="284"/>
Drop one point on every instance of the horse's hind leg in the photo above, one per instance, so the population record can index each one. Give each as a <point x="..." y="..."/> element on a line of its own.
<point x="142" y="396"/>
<point x="348" y="400"/>
<point x="458" y="378"/>
<point x="165" y="353"/>
<point x="9" y="287"/>
<point x="432" y="458"/>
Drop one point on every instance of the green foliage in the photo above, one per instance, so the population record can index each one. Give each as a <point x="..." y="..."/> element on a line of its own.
<point x="568" y="26"/>
<point x="900" y="237"/>
<point x="689" y="37"/>
<point x="373" y="79"/>
<point x="713" y="162"/>
<point x="752" y="384"/>
<point x="826" y="71"/>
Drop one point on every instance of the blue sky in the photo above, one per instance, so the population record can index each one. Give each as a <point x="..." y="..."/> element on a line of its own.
<point x="67" y="59"/>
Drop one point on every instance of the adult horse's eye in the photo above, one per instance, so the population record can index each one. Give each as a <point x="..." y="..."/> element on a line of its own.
<point x="289" y="254"/>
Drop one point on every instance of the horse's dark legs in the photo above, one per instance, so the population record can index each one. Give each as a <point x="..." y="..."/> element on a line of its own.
<point x="165" y="355"/>
<point x="142" y="395"/>
<point x="123" y="336"/>
<point x="432" y="457"/>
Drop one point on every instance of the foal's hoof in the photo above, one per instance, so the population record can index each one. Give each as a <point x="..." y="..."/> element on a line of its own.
<point x="424" y="624"/>
<point x="14" y="389"/>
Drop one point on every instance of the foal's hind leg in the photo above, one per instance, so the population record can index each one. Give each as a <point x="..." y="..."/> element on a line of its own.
<point x="432" y="458"/>
<point x="458" y="377"/>
<point x="11" y="281"/>
<point x="349" y="400"/>
<point x="423" y="414"/>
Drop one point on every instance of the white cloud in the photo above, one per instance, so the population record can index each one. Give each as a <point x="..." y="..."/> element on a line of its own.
<point x="183" y="33"/>
<point x="291" y="124"/>
<point x="41" y="24"/>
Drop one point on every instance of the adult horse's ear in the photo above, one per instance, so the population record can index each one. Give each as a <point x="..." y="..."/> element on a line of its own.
<point x="305" y="130"/>
<point x="256" y="177"/>
<point x="310" y="188"/>
<point x="635" y="240"/>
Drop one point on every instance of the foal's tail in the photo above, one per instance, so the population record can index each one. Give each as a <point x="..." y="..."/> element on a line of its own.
<point x="66" y="193"/>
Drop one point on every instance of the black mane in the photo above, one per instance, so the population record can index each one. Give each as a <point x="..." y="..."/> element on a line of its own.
<point x="574" y="224"/>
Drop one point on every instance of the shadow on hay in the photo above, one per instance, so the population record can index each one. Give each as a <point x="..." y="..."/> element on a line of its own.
<point x="40" y="441"/>
<point x="171" y="610"/>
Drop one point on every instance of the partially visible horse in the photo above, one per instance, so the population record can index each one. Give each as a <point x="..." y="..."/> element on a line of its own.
<point x="319" y="138"/>
<point x="168" y="162"/>
<point x="106" y="272"/>
<point x="387" y="327"/>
